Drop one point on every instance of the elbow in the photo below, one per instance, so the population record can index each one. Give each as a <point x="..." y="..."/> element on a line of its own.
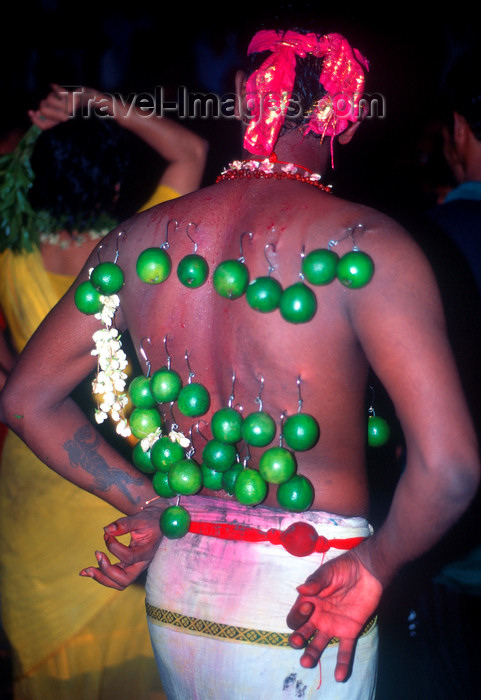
<point x="461" y="481"/>
<point x="11" y="405"/>
<point x="200" y="151"/>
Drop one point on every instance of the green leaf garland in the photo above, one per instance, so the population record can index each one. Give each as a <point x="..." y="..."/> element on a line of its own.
<point x="19" y="229"/>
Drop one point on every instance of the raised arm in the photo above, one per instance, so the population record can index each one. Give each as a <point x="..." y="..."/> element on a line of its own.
<point x="399" y="323"/>
<point x="184" y="151"/>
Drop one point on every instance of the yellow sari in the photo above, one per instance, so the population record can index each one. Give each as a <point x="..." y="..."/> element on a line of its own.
<point x="71" y="638"/>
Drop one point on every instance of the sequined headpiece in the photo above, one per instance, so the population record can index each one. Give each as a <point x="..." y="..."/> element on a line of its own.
<point x="269" y="89"/>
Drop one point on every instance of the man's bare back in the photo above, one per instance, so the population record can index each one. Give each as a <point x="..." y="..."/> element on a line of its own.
<point x="266" y="353"/>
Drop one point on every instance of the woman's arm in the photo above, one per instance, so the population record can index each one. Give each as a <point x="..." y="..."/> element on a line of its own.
<point x="184" y="151"/>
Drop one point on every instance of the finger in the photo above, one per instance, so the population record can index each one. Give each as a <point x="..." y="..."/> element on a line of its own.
<point x="120" y="574"/>
<point x="120" y="550"/>
<point x="96" y="575"/>
<point x="300" y="638"/>
<point x="344" y="658"/>
<point x="314" y="649"/>
<point x="139" y="547"/>
<point x="122" y="526"/>
<point x="312" y="586"/>
<point x="299" y="614"/>
<point x="54" y="110"/>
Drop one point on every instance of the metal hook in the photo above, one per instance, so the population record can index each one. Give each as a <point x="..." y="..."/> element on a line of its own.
<point x="281" y="422"/>
<point x="230" y="400"/>
<point x="166" y="243"/>
<point x="349" y="234"/>
<point x="258" y="399"/>
<point x="246" y="233"/>
<point x="198" y="429"/>
<point x="117" y="252"/>
<point x="358" y="226"/>
<point x="303" y="255"/>
<point x="271" y="266"/>
<point x="166" y="351"/>
<point x="371" y="406"/>
<point x="191" y="373"/>
<point x="191" y="451"/>
<point x="187" y="232"/>
<point x="299" y="400"/>
<point x="143" y="353"/>
<point x="102" y="245"/>
<point x="174" y="425"/>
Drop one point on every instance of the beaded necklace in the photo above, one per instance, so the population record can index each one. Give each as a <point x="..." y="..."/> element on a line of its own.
<point x="238" y="170"/>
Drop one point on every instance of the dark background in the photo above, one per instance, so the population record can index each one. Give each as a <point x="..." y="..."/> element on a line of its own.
<point x="394" y="164"/>
<point x="139" y="47"/>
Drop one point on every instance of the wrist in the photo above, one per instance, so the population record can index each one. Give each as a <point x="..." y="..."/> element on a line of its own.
<point x="370" y="555"/>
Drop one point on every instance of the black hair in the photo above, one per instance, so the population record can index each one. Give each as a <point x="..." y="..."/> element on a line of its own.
<point x="79" y="166"/>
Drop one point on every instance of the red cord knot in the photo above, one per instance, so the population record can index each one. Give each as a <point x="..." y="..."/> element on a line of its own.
<point x="323" y="544"/>
<point x="274" y="536"/>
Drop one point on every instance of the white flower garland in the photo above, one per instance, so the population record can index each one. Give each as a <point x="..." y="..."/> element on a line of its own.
<point x="110" y="380"/>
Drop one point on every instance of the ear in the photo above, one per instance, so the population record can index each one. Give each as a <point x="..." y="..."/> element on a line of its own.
<point x="240" y="91"/>
<point x="348" y="133"/>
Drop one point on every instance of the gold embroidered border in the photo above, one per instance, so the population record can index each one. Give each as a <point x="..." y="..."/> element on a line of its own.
<point x="232" y="633"/>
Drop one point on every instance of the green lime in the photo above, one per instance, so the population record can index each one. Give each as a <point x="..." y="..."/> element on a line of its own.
<point x="165" y="385"/>
<point x="185" y="477"/>
<point x="250" y="489"/>
<point x="192" y="271"/>
<point x="165" y="452"/>
<point x="301" y="431"/>
<point x="211" y="479"/>
<point x="160" y="484"/>
<point x="87" y="298"/>
<point x="144" y="421"/>
<point x="193" y="400"/>
<point x="140" y="393"/>
<point x="219" y="455"/>
<point x="298" y="303"/>
<point x="153" y="265"/>
<point x="277" y="465"/>
<point x="230" y="476"/>
<point x="355" y="269"/>
<point x="264" y="294"/>
<point x="258" y="429"/>
<point x="296" y="494"/>
<point x="142" y="459"/>
<point x="320" y="265"/>
<point x="107" y="278"/>
<point x="231" y="278"/>
<point x="226" y="425"/>
<point x="378" y="431"/>
<point x="175" y="522"/>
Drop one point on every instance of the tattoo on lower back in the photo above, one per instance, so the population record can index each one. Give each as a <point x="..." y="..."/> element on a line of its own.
<point x="83" y="453"/>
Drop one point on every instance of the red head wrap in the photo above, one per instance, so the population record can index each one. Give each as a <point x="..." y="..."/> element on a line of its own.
<point x="269" y="89"/>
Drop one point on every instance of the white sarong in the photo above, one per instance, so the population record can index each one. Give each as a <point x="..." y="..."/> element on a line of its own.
<point x="217" y="611"/>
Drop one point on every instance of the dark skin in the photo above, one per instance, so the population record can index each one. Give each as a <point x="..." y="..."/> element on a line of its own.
<point x="394" y="324"/>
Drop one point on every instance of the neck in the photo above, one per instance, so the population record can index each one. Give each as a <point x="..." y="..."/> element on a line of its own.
<point x="304" y="151"/>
